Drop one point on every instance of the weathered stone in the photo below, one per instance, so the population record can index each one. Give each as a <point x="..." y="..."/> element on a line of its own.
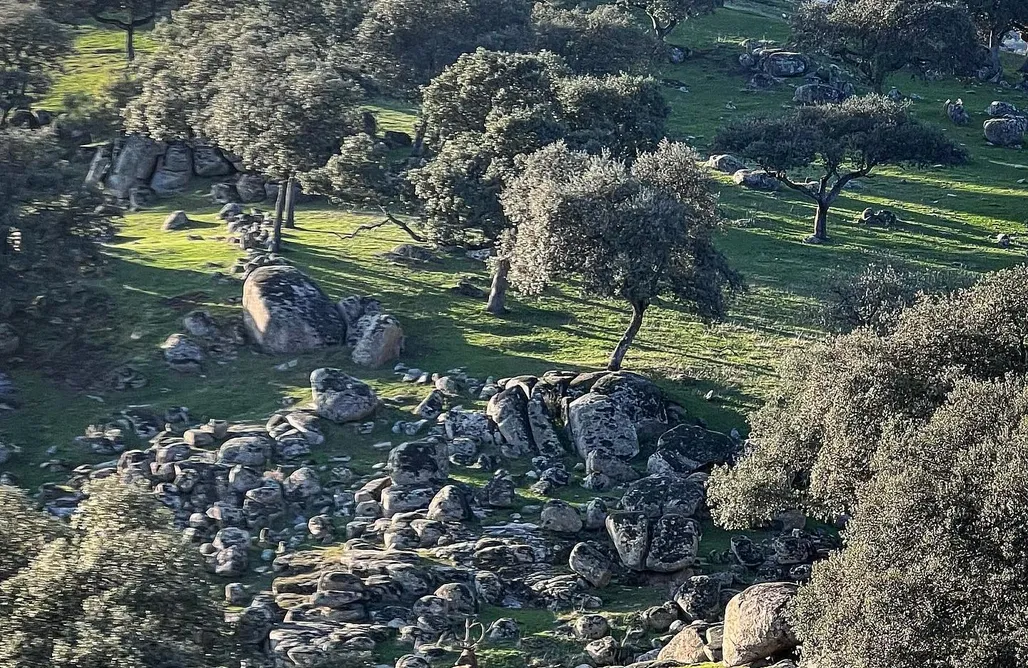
<point x="560" y="517"/>
<point x="418" y="463"/>
<point x="1006" y="131"/>
<point x="182" y="353"/>
<point x="381" y="342"/>
<point x="784" y="64"/>
<point x="686" y="448"/>
<point x="450" y="504"/>
<point x="817" y="93"/>
<point x="591" y="627"/>
<point x="604" y="652"/>
<point x="250" y="188"/>
<point x="727" y="164"/>
<point x="133" y="166"/>
<point x="757" y="624"/>
<point x="755" y="180"/>
<point x="687" y="647"/>
<point x="174" y="170"/>
<point x="591" y="565"/>
<point x="630" y="533"/>
<point x="673" y="544"/>
<point x="176" y="220"/>
<point x="208" y="161"/>
<point x="341" y="398"/>
<point x="699" y="597"/>
<point x="658" y="495"/>
<point x="286" y="312"/>
<point x="595" y="421"/>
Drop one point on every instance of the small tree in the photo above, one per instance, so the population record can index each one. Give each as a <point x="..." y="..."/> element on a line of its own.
<point x="635" y="233"/>
<point x="996" y="18"/>
<point x="31" y="46"/>
<point x="604" y="40"/>
<point x="665" y="15"/>
<point x="880" y="37"/>
<point x="128" y="16"/>
<point x="847" y="141"/>
<point x="93" y="598"/>
<point x="275" y="99"/>
<point x="405" y="43"/>
<point x="489" y="107"/>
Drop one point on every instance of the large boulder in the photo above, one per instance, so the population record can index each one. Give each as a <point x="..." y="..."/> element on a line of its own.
<point x="208" y="161"/>
<point x="687" y="647"/>
<point x="250" y="188"/>
<point x="418" y="463"/>
<point x="658" y="495"/>
<point x="638" y="398"/>
<point x="686" y="448"/>
<point x="286" y="312"/>
<point x="818" y="93"/>
<point x="590" y="564"/>
<point x="341" y="398"/>
<point x="1006" y="131"/>
<point x="674" y="542"/>
<point x="755" y="179"/>
<point x="630" y="533"/>
<point x="785" y="64"/>
<point x="174" y="170"/>
<point x="596" y="421"/>
<point x="381" y="342"/>
<point x="757" y="624"/>
<point x="133" y="166"/>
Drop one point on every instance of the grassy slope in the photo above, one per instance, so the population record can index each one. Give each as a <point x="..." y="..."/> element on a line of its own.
<point x="950" y="217"/>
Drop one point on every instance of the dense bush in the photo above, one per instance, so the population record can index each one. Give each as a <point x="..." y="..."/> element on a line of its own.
<point x="820" y="436"/>
<point x="934" y="569"/>
<point x="876" y="296"/>
<point x="117" y="587"/>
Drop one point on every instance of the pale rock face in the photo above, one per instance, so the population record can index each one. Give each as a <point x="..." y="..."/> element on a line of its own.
<point x="285" y="312"/>
<point x="756" y="623"/>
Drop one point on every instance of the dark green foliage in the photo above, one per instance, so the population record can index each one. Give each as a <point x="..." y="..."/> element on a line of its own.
<point x="47" y="225"/>
<point x="846" y="141"/>
<point x="839" y="404"/>
<point x="604" y="40"/>
<point x="934" y="570"/>
<point x="635" y="233"/>
<point x="119" y="589"/>
<point x="996" y="18"/>
<point x="876" y="297"/>
<point x="879" y="37"/>
<point x="26" y="531"/>
<point x="31" y="46"/>
<point x="405" y="43"/>
<point x="489" y="107"/>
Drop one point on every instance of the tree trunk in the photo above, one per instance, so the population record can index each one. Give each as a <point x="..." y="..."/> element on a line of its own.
<point x="995" y="41"/>
<point x="821" y="221"/>
<point x="498" y="292"/>
<point x="130" y="41"/>
<point x="618" y="356"/>
<point x="290" y="222"/>
<point x="280" y="205"/>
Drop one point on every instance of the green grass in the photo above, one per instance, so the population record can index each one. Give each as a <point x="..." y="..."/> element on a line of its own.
<point x="99" y="59"/>
<point x="949" y="218"/>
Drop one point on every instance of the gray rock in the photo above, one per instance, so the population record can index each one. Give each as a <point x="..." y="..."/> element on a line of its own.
<point x="431" y="406"/>
<point x="503" y="631"/>
<point x="818" y="93"/>
<point x="674" y="542"/>
<point x="757" y="624"/>
<point x="591" y="627"/>
<point x="174" y="170"/>
<point x="449" y="505"/>
<point x="999" y="109"/>
<point x="176" y="220"/>
<point x="247" y="451"/>
<point x="284" y="311"/>
<point x="341" y="398"/>
<point x="200" y="324"/>
<point x="658" y="495"/>
<point x="727" y="164"/>
<point x="604" y="652"/>
<point x="418" y="463"/>
<point x="687" y="647"/>
<point x="596" y="421"/>
<point x="250" y="188"/>
<point x="957" y="113"/>
<point x="785" y="64"/>
<point x="630" y="533"/>
<point x="182" y="353"/>
<point x="133" y="166"/>
<point x="381" y="342"/>
<point x="686" y="448"/>
<point x="208" y="161"/>
<point x="591" y="565"/>
<point x="699" y="598"/>
<point x="1006" y="131"/>
<point x="755" y="180"/>
<point x="560" y="517"/>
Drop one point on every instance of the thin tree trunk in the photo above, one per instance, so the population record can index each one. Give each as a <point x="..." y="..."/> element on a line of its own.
<point x="130" y="41"/>
<point x="291" y="203"/>
<point x="498" y="291"/>
<point x="821" y="221"/>
<point x="280" y="205"/>
<point x="618" y="356"/>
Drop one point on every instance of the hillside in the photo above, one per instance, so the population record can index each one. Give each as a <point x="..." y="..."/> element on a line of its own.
<point x="720" y="371"/>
